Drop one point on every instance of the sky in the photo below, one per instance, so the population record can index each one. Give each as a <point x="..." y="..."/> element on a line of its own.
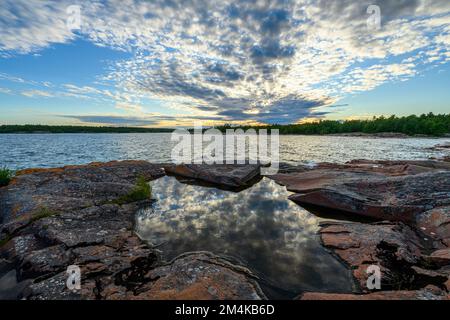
<point x="168" y="63"/>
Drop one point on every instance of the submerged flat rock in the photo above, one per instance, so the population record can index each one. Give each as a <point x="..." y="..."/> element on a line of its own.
<point x="234" y="177"/>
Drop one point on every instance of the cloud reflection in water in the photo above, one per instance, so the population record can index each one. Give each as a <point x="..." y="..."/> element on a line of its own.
<point x="259" y="228"/>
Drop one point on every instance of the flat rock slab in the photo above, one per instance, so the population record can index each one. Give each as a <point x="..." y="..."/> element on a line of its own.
<point x="441" y="257"/>
<point x="399" y="198"/>
<point x="435" y="224"/>
<point x="54" y="218"/>
<point x="424" y="294"/>
<point x="71" y="187"/>
<point x="385" y="190"/>
<point x="306" y="178"/>
<point x="193" y="276"/>
<point x="394" y="247"/>
<point x="233" y="177"/>
<point x="314" y="180"/>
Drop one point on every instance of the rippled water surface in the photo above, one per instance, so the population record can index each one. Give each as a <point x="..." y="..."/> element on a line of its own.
<point x="258" y="228"/>
<point x="50" y="150"/>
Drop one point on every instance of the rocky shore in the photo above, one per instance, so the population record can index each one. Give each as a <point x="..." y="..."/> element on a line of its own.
<point x="397" y="216"/>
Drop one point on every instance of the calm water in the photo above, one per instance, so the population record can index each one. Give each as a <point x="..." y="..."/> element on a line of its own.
<point x="258" y="228"/>
<point x="51" y="150"/>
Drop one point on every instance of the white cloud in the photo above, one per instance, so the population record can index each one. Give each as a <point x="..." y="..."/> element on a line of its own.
<point x="274" y="61"/>
<point x="30" y="25"/>
<point x="5" y="90"/>
<point x="37" y="93"/>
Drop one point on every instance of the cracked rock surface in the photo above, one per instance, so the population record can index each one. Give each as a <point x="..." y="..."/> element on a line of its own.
<point x="410" y="246"/>
<point x="54" y="218"/>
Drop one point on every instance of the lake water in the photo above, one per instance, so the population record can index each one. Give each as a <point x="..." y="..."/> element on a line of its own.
<point x="20" y="151"/>
<point x="258" y="228"/>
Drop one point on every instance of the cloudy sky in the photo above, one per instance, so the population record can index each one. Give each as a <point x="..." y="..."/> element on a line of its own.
<point x="172" y="62"/>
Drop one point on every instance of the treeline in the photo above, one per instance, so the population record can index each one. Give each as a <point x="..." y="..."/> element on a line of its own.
<point x="425" y="124"/>
<point x="31" y="128"/>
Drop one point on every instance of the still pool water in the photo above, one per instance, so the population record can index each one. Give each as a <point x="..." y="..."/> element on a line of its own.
<point x="258" y="228"/>
<point x="19" y="151"/>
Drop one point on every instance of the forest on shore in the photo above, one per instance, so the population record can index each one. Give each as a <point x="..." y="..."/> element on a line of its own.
<point x="32" y="128"/>
<point x="426" y="124"/>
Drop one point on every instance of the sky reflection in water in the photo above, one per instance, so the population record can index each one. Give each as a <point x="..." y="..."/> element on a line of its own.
<point x="259" y="227"/>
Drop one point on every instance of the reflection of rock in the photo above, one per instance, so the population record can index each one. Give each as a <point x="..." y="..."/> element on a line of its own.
<point x="225" y="176"/>
<point x="9" y="288"/>
<point x="429" y="293"/>
<point x="195" y="276"/>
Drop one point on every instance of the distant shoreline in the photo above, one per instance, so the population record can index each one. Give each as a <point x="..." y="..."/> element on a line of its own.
<point x="379" y="135"/>
<point x="44" y="129"/>
<point x="423" y="126"/>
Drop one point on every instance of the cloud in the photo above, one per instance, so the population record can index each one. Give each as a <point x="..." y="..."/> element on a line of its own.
<point x="36" y="93"/>
<point x="269" y="61"/>
<point x="145" y="120"/>
<point x="5" y="90"/>
<point x="114" y="120"/>
<point x="30" y="25"/>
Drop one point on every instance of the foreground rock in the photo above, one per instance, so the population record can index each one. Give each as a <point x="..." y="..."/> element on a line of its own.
<point x="392" y="247"/>
<point x="411" y="250"/>
<point x="54" y="218"/>
<point x="435" y="223"/>
<point x="233" y="177"/>
<point x="302" y="179"/>
<point x="70" y="188"/>
<point x="192" y="276"/>
<point x="399" y="252"/>
<point x="429" y="293"/>
<point x="393" y="198"/>
<point x="385" y="190"/>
